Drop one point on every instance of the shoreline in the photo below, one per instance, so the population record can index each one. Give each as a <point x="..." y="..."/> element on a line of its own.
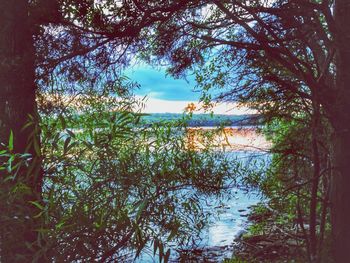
<point x="272" y="244"/>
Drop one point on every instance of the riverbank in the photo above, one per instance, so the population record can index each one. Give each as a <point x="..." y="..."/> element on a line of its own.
<point x="268" y="239"/>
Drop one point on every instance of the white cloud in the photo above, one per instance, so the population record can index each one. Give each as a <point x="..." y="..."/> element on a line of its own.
<point x="153" y="105"/>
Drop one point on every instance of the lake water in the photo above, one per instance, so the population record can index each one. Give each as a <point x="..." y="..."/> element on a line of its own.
<point x="217" y="239"/>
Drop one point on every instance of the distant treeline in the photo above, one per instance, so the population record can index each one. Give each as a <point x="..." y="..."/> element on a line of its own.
<point x="204" y="119"/>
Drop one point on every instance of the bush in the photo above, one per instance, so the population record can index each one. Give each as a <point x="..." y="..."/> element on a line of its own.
<point x="114" y="187"/>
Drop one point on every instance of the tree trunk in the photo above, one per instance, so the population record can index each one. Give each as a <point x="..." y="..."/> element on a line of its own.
<point x="340" y="198"/>
<point x="315" y="180"/>
<point x="17" y="102"/>
<point x="340" y="188"/>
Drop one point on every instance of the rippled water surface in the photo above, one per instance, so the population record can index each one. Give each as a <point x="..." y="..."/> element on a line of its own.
<point x="217" y="238"/>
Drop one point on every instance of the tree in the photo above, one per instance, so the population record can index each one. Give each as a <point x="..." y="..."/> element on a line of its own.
<point x="75" y="42"/>
<point x="17" y="75"/>
<point x="305" y="41"/>
<point x="295" y="46"/>
<point x="37" y="39"/>
<point x="114" y="187"/>
<point x="341" y="153"/>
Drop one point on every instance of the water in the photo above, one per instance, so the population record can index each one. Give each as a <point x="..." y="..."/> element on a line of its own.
<point x="218" y="237"/>
<point x="228" y="221"/>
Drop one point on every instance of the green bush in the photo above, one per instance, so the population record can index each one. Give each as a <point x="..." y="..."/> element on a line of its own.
<point x="113" y="187"/>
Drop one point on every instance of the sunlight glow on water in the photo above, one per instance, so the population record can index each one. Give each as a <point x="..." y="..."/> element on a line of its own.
<point x="230" y="139"/>
<point x="217" y="238"/>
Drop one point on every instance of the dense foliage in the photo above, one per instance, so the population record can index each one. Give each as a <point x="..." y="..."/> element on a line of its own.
<point x="298" y="199"/>
<point x="113" y="187"/>
<point x="287" y="59"/>
<point x="278" y="58"/>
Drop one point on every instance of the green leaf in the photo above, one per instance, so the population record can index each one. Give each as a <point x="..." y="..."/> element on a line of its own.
<point x="29" y="123"/>
<point x="10" y="145"/>
<point x="60" y="225"/>
<point x="63" y="122"/>
<point x="141" y="208"/>
<point x="37" y="204"/>
<point x="39" y="215"/>
<point x="9" y="163"/>
<point x="36" y="145"/>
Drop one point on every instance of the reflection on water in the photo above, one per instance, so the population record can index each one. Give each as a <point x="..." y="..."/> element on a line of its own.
<point x="218" y="237"/>
<point x="245" y="145"/>
<point x="228" y="138"/>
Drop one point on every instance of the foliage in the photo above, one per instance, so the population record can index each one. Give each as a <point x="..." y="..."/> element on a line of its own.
<point x="276" y="57"/>
<point x="283" y="56"/>
<point x="19" y="204"/>
<point x="113" y="187"/>
<point x="212" y="120"/>
<point x="288" y="182"/>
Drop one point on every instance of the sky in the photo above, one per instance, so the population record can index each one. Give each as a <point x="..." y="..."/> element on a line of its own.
<point x="156" y="84"/>
<point x="166" y="94"/>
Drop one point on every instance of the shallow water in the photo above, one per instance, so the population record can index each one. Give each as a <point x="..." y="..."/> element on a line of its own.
<point x="230" y="220"/>
<point x="217" y="239"/>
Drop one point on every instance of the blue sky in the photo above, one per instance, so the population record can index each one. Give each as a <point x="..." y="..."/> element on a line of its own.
<point x="157" y="85"/>
<point x="166" y="94"/>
